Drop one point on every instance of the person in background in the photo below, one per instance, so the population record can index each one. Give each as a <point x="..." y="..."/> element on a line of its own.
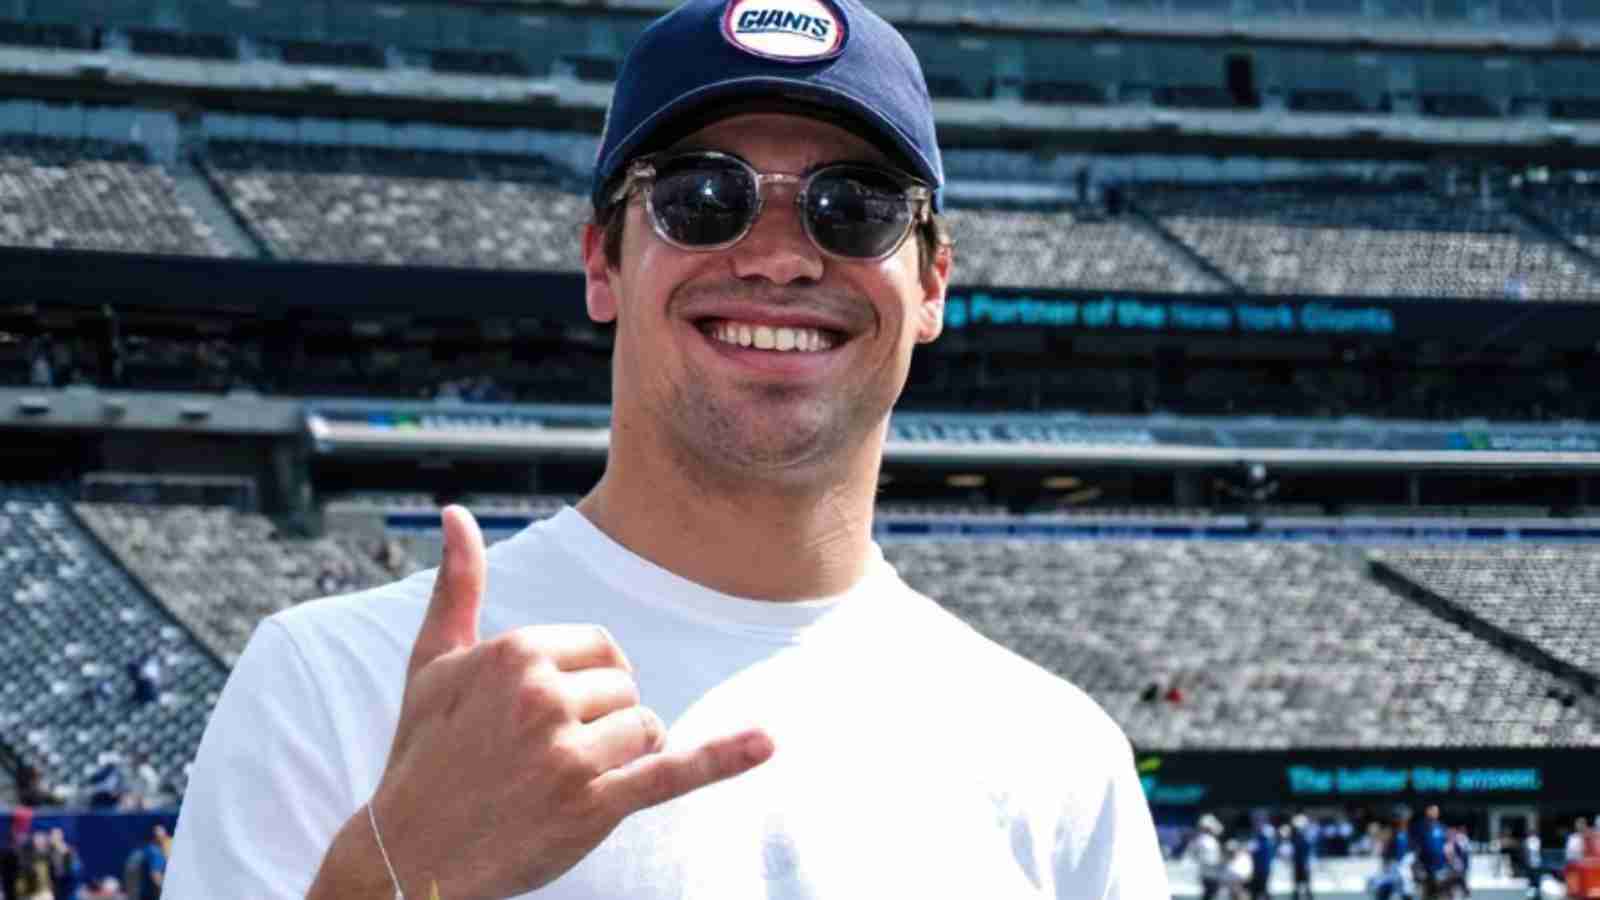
<point x="33" y="870"/>
<point x="1575" y="840"/>
<point x="108" y="784"/>
<point x="1263" y="851"/>
<point x="1458" y="855"/>
<point x="1533" y="860"/>
<point x="66" y="869"/>
<point x="10" y="861"/>
<point x="1239" y="872"/>
<point x="1394" y="877"/>
<point x="151" y="867"/>
<point x="1207" y="854"/>
<point x="1429" y="844"/>
<point x="1302" y="839"/>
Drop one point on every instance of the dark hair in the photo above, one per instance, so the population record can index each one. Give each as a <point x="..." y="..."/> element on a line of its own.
<point x="930" y="235"/>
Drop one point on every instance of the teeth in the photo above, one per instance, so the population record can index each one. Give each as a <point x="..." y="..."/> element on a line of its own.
<point x="766" y="337"/>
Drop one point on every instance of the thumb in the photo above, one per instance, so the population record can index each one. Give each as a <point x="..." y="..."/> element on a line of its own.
<point x="451" y="622"/>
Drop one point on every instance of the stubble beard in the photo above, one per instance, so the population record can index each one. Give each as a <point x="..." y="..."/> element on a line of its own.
<point x="770" y="436"/>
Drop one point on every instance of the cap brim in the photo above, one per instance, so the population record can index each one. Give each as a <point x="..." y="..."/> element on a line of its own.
<point x="712" y="103"/>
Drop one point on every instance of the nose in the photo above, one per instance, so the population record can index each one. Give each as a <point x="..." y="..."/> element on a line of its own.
<point x="777" y="249"/>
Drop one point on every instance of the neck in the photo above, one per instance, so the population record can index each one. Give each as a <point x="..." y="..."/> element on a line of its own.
<point x="758" y="540"/>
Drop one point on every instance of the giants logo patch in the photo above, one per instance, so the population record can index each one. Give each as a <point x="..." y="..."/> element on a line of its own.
<point x="787" y="30"/>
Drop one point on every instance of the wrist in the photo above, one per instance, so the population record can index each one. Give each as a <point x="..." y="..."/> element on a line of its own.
<point x="353" y="868"/>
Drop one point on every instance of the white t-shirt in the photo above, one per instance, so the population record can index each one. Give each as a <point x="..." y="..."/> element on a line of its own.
<point x="1207" y="851"/>
<point x="914" y="757"/>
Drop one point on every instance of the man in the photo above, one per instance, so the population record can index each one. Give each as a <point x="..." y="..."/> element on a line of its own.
<point x="33" y="869"/>
<point x="1395" y="879"/>
<point x="147" y="867"/>
<point x="704" y="680"/>
<point x="1207" y="853"/>
<point x="1533" y="861"/>
<point x="1574" y="848"/>
<point x="1303" y="842"/>
<point x="1263" y="853"/>
<point x="66" y="869"/>
<point x="1429" y="843"/>
<point x="1458" y="851"/>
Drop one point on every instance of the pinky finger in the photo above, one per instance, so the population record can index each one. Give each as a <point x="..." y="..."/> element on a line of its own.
<point x="655" y="778"/>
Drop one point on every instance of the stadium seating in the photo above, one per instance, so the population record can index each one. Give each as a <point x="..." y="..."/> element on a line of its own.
<point x="478" y="62"/>
<point x="1271" y="645"/>
<point x="222" y="571"/>
<point x="161" y="42"/>
<point x="1460" y="106"/>
<point x="1573" y="208"/>
<point x="1544" y="594"/>
<point x="94" y="195"/>
<point x="46" y="36"/>
<point x="1367" y="239"/>
<point x="71" y="623"/>
<point x="1325" y="101"/>
<point x="1077" y="247"/>
<point x="320" y="53"/>
<point x="396" y="207"/>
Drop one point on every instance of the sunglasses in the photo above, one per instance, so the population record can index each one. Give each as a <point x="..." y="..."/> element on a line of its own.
<point x="704" y="200"/>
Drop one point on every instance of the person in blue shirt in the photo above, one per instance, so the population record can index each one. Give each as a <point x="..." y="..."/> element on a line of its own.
<point x="1263" y="851"/>
<point x="1392" y="883"/>
<point x="1429" y="840"/>
<point x="152" y="867"/>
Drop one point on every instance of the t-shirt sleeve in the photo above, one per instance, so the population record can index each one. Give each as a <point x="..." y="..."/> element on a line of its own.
<point x="1122" y="860"/>
<point x="267" y="792"/>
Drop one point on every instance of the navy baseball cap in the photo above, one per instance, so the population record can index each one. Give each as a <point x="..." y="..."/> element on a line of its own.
<point x="709" y="59"/>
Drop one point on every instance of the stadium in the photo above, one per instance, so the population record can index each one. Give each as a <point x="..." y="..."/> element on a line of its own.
<point x="1265" y="412"/>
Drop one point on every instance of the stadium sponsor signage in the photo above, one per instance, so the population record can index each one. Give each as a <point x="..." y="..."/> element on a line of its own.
<point x="1223" y="778"/>
<point x="1123" y="313"/>
<point x="274" y="288"/>
<point x="1353" y="782"/>
<point x="1525" y="442"/>
<point x="1481" y="322"/>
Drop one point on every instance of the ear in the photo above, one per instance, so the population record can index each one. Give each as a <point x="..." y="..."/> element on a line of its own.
<point x="598" y="293"/>
<point x="935" y="281"/>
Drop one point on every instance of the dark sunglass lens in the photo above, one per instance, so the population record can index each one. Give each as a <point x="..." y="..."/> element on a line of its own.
<point x="703" y="202"/>
<point x="857" y="212"/>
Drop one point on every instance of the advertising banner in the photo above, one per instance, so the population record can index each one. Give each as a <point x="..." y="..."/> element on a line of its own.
<point x="1194" y="779"/>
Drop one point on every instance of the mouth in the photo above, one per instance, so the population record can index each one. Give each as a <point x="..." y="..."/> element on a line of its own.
<point x="794" y="339"/>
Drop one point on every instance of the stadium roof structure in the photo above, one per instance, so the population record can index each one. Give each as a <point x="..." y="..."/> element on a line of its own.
<point x="558" y="100"/>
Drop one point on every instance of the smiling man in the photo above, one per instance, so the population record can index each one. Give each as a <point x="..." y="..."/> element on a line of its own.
<point x="703" y="681"/>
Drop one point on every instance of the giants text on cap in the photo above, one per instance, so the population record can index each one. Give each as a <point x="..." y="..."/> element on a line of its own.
<point x="785" y="30"/>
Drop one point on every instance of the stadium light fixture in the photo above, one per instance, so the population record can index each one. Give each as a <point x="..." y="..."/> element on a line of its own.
<point x="1062" y="483"/>
<point x="966" y="481"/>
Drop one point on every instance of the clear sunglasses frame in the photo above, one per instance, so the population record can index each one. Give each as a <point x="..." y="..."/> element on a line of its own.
<point x="642" y="173"/>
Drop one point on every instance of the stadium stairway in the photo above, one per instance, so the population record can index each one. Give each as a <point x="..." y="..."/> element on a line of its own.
<point x="1541" y="226"/>
<point x="201" y="193"/>
<point x="1560" y="650"/>
<point x="1187" y="255"/>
